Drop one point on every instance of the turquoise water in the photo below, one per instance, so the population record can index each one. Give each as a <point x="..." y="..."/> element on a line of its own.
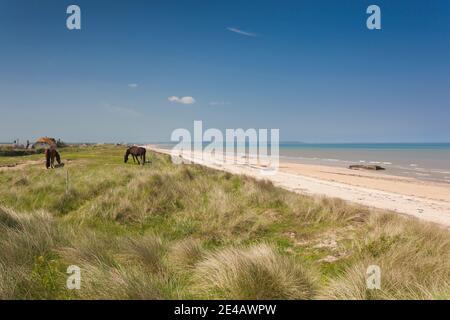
<point x="424" y="161"/>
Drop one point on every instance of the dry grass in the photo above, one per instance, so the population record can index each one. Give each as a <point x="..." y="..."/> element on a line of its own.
<point x="257" y="272"/>
<point x="26" y="245"/>
<point x="414" y="259"/>
<point x="185" y="253"/>
<point x="125" y="281"/>
<point x="148" y="250"/>
<point x="169" y="232"/>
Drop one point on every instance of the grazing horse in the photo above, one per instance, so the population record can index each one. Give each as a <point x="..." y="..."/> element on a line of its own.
<point x="50" y="155"/>
<point x="136" y="153"/>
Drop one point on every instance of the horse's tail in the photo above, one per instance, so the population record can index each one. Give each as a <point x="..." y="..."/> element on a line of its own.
<point x="58" y="157"/>
<point x="47" y="158"/>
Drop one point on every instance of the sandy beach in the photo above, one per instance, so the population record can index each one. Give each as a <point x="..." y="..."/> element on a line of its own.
<point x="428" y="201"/>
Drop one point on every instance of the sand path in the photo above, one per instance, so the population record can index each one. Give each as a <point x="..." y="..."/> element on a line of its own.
<point x="20" y="166"/>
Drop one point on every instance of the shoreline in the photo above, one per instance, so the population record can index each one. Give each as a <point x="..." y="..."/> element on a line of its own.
<point x="428" y="201"/>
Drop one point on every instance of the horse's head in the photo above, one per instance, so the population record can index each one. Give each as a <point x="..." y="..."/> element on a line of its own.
<point x="127" y="154"/>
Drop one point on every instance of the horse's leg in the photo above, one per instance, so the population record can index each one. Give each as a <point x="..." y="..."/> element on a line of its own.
<point x="137" y="158"/>
<point x="47" y="159"/>
<point x="58" y="157"/>
<point x="134" y="158"/>
<point x="143" y="159"/>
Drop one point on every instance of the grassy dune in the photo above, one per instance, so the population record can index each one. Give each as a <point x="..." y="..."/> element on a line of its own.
<point x="167" y="231"/>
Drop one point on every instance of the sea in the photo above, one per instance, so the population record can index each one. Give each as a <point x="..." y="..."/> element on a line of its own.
<point x="423" y="161"/>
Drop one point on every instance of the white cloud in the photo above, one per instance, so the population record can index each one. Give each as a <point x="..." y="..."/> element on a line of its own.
<point x="242" y="32"/>
<point x="182" y="100"/>
<point x="133" y="85"/>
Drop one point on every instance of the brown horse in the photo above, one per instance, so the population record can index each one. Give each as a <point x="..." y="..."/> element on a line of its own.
<point x="50" y="155"/>
<point x="136" y="153"/>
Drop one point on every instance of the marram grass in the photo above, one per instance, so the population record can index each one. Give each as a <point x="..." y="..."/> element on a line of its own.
<point x="165" y="231"/>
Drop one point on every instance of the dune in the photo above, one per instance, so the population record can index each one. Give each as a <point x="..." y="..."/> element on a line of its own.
<point x="428" y="201"/>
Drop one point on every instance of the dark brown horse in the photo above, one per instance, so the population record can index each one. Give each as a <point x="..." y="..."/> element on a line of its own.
<point x="50" y="156"/>
<point x="136" y="153"/>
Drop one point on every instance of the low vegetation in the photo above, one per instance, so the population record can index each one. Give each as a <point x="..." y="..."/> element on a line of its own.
<point x="165" y="231"/>
<point x="9" y="151"/>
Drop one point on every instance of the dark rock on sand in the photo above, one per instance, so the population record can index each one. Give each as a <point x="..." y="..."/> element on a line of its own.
<point x="365" y="167"/>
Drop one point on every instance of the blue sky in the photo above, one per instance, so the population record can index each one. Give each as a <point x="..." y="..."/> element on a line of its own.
<point x="310" y="68"/>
